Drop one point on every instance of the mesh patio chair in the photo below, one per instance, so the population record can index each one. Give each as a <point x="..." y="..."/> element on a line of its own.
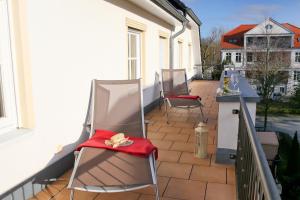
<point x="176" y="93"/>
<point x="115" y="106"/>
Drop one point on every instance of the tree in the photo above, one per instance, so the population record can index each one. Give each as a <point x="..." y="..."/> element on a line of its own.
<point x="291" y="178"/>
<point x="269" y="67"/>
<point x="295" y="98"/>
<point x="293" y="166"/>
<point x="211" y="48"/>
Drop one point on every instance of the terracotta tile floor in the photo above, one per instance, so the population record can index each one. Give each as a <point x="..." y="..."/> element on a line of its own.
<point x="180" y="174"/>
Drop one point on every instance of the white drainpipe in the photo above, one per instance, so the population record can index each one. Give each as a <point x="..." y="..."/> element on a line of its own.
<point x="184" y="24"/>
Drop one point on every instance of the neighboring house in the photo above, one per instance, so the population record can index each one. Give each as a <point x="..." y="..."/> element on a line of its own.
<point x="51" y="50"/>
<point x="237" y="47"/>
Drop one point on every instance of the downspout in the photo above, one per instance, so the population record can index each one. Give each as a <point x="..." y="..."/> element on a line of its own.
<point x="184" y="24"/>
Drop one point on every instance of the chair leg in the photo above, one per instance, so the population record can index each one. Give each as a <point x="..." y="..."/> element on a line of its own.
<point x="156" y="192"/>
<point x="72" y="194"/>
<point x="167" y="111"/>
<point x="160" y="100"/>
<point x="204" y="120"/>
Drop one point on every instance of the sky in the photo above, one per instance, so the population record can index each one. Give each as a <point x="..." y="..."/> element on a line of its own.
<point x="231" y="13"/>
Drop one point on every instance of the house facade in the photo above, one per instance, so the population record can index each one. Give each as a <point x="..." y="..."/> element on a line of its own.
<point x="51" y="50"/>
<point x="242" y="46"/>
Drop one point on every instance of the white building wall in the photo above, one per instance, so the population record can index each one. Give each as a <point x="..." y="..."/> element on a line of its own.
<point x="70" y="43"/>
<point x="233" y="57"/>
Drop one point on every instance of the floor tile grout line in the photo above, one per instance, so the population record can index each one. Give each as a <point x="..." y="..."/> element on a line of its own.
<point x="191" y="172"/>
<point x="163" y="193"/>
<point x="205" y="191"/>
<point x="181" y="152"/>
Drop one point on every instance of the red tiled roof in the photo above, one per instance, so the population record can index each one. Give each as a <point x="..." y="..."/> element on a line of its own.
<point x="238" y="34"/>
<point x="296" y="30"/>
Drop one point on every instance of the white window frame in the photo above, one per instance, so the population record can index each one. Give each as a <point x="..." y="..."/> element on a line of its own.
<point x="190" y="57"/>
<point x="297" y="76"/>
<point x="238" y="55"/>
<point x="297" y="57"/>
<point x="8" y="121"/>
<point x="252" y="57"/>
<point x="283" y="89"/>
<point x="180" y="54"/>
<point x="138" y="51"/>
<point x="162" y="52"/>
<point x="228" y="57"/>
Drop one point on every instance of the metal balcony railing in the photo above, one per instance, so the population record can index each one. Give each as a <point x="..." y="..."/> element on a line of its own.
<point x="253" y="174"/>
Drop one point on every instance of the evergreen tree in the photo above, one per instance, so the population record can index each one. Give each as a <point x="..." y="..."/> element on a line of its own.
<point x="291" y="179"/>
<point x="293" y="166"/>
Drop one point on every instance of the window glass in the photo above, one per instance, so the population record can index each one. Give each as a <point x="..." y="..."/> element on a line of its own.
<point x="249" y="57"/>
<point x="238" y="57"/>
<point x="180" y="54"/>
<point x="190" y="58"/>
<point x="162" y="52"/>
<point x="8" y="115"/>
<point x="228" y="57"/>
<point x="297" y="57"/>
<point x="134" y="54"/>
<point x="296" y="75"/>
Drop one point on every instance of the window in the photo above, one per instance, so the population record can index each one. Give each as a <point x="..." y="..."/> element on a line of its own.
<point x="190" y="57"/>
<point x="134" y="54"/>
<point x="238" y="57"/>
<point x="249" y="57"/>
<point x="297" y="57"/>
<point x="296" y="75"/>
<point x="163" y="49"/>
<point x="233" y="40"/>
<point x="249" y="40"/>
<point x="8" y="116"/>
<point x="281" y="89"/>
<point x="180" y="51"/>
<point x="228" y="57"/>
<point x="268" y="26"/>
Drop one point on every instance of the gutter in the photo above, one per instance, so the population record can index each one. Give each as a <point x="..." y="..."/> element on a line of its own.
<point x="169" y="8"/>
<point x="184" y="24"/>
<point x="193" y="16"/>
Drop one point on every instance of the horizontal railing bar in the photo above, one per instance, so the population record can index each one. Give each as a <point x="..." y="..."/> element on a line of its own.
<point x="267" y="180"/>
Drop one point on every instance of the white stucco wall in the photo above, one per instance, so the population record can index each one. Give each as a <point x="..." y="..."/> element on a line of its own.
<point x="71" y="43"/>
<point x="228" y="123"/>
<point x="233" y="56"/>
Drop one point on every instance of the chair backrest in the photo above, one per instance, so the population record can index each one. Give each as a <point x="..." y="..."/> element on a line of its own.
<point x="174" y="82"/>
<point x="117" y="106"/>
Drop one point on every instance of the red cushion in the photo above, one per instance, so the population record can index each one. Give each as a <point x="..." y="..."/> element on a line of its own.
<point x="192" y="97"/>
<point x="140" y="147"/>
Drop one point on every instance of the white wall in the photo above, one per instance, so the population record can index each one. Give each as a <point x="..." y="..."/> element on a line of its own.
<point x="71" y="43"/>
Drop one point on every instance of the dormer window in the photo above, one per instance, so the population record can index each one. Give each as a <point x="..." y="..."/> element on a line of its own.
<point x="268" y="26"/>
<point x="233" y="40"/>
<point x="298" y="39"/>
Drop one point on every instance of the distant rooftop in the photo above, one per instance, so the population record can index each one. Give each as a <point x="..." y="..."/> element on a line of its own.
<point x="234" y="39"/>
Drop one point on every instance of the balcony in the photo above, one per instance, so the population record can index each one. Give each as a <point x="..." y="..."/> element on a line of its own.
<point x="275" y="42"/>
<point x="180" y="174"/>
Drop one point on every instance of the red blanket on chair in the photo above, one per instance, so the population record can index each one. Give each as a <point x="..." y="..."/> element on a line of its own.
<point x="140" y="147"/>
<point x="192" y="97"/>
